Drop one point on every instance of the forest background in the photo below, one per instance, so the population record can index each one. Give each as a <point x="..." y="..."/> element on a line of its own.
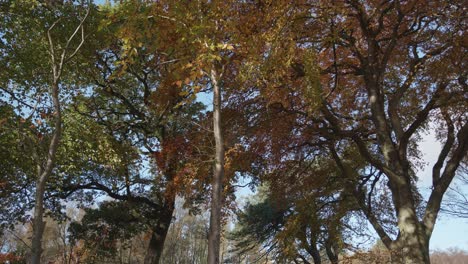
<point x="130" y="130"/>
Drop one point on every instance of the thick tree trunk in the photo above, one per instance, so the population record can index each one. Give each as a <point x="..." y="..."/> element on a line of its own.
<point x="158" y="237"/>
<point x="415" y="251"/>
<point x="411" y="250"/>
<point x="217" y="183"/>
<point x="412" y="245"/>
<point x="156" y="244"/>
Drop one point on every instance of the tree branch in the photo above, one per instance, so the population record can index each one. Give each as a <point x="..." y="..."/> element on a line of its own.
<point x="445" y="150"/>
<point x="434" y="202"/>
<point x="100" y="187"/>
<point x="359" y="198"/>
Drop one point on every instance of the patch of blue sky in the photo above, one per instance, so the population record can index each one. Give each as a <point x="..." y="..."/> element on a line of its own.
<point x="449" y="231"/>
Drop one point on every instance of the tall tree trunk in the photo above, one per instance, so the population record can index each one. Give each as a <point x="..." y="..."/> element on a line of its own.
<point x="43" y="175"/>
<point x="45" y="170"/>
<point x="413" y="248"/>
<point x="159" y="232"/>
<point x="38" y="223"/>
<point x="412" y="245"/>
<point x="218" y="174"/>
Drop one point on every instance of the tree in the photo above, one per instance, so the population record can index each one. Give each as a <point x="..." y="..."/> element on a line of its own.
<point x="320" y="100"/>
<point x="201" y="53"/>
<point x="300" y="217"/>
<point x="136" y="98"/>
<point x="371" y="76"/>
<point x="397" y="64"/>
<point x="59" y="50"/>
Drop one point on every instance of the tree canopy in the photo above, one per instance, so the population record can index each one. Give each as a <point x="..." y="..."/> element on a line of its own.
<point x="317" y="106"/>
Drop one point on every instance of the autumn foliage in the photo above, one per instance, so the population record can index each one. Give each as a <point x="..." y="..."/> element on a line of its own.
<point x="127" y="109"/>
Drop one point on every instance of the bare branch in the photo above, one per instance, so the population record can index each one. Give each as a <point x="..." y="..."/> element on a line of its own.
<point x="80" y="26"/>
<point x="421" y="117"/>
<point x="445" y="150"/>
<point x="435" y="200"/>
<point x="51" y="46"/>
<point x="93" y="185"/>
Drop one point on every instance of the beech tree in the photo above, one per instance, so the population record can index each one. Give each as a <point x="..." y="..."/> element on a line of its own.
<point x="372" y="76"/>
<point x="400" y="52"/>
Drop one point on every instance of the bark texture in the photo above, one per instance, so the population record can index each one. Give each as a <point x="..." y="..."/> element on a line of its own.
<point x="394" y="132"/>
<point x="43" y="175"/>
<point x="218" y="174"/>
<point x="158" y="236"/>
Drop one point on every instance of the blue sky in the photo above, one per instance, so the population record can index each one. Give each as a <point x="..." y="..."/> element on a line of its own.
<point x="449" y="231"/>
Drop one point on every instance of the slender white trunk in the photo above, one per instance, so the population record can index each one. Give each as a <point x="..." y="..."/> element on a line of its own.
<point x="43" y="175"/>
<point x="218" y="174"/>
<point x="38" y="223"/>
<point x="45" y="170"/>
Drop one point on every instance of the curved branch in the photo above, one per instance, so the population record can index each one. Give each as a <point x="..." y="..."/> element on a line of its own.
<point x="100" y="187"/>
